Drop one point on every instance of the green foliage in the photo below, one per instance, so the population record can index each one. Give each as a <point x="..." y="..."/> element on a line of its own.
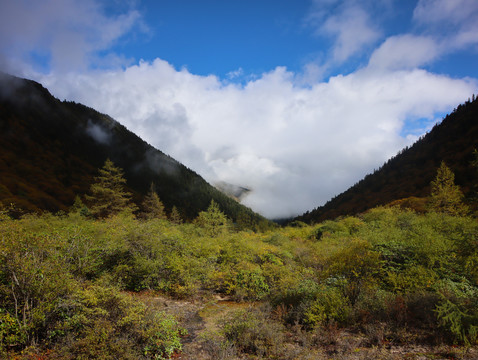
<point x="251" y="285"/>
<point x="32" y="282"/>
<point x="411" y="279"/>
<point x="175" y="216"/>
<point x="79" y="207"/>
<point x="153" y="207"/>
<point x="213" y="221"/>
<point x="252" y="331"/>
<point x="100" y="322"/>
<point x="62" y="279"/>
<point x="329" y="305"/>
<point x="458" y="310"/>
<point x="108" y="195"/>
<point x="445" y="195"/>
<point x="11" y="333"/>
<point x="357" y="261"/>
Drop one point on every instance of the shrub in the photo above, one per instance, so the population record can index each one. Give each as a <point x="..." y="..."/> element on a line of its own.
<point x="411" y="279"/>
<point x="358" y="264"/>
<point x="100" y="322"/>
<point x="457" y="311"/>
<point x="32" y="284"/>
<point x="328" y="306"/>
<point x="251" y="285"/>
<point x="252" y="331"/>
<point x="10" y="331"/>
<point x="373" y="305"/>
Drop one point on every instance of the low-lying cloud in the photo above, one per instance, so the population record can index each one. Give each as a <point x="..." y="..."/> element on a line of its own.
<point x="100" y="135"/>
<point x="295" y="139"/>
<point x="294" y="146"/>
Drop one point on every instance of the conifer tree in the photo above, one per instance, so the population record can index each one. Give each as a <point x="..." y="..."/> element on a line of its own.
<point x="108" y="195"/>
<point x="152" y="206"/>
<point x="79" y="207"/>
<point x="175" y="216"/>
<point x="214" y="221"/>
<point x="445" y="195"/>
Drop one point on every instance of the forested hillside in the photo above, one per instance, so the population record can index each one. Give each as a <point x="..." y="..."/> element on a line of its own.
<point x="409" y="173"/>
<point x="51" y="150"/>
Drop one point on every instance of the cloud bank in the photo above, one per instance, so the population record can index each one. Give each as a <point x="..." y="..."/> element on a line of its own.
<point x="294" y="140"/>
<point x="293" y="146"/>
<point x="64" y="35"/>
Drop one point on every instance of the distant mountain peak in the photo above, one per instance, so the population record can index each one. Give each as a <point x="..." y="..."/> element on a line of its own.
<point x="235" y="191"/>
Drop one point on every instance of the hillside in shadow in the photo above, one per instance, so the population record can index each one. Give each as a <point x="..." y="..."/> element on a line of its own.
<point x="407" y="176"/>
<point x="51" y="150"/>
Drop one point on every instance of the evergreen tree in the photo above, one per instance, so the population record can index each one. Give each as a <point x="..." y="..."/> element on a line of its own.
<point x="79" y="207"/>
<point x="213" y="221"/>
<point x="108" y="195"/>
<point x="175" y="216"/>
<point x="445" y="195"/>
<point x="153" y="207"/>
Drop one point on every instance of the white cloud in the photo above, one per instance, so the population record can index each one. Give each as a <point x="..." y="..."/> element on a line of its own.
<point x="101" y="135"/>
<point x="65" y="33"/>
<point x="293" y="138"/>
<point x="352" y="30"/>
<point x="439" y="11"/>
<point x="235" y="74"/>
<point x="404" y="52"/>
<point x="294" y="146"/>
<point x="453" y="21"/>
<point x="347" y="23"/>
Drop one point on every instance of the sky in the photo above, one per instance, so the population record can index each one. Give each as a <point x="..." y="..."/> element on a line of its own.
<point x="296" y="100"/>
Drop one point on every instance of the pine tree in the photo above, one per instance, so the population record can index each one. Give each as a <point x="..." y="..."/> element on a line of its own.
<point x="79" y="207"/>
<point x="446" y="197"/>
<point x="175" y="216"/>
<point x="108" y="195"/>
<point x="153" y="208"/>
<point x="213" y="221"/>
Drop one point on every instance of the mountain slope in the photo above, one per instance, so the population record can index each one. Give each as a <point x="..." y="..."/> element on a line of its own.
<point x="410" y="172"/>
<point x="51" y="150"/>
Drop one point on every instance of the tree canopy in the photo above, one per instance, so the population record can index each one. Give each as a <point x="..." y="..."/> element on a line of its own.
<point x="108" y="194"/>
<point x="445" y="195"/>
<point x="213" y="221"/>
<point x="153" y="207"/>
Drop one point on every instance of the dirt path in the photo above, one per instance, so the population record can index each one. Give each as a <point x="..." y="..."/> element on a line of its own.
<point x="202" y="319"/>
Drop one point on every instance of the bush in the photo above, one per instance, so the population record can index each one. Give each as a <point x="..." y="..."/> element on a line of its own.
<point x="328" y="306"/>
<point x="457" y="311"/>
<point x="32" y="283"/>
<point x="252" y="331"/>
<point x="251" y="285"/>
<point x="373" y="305"/>
<point x="100" y="322"/>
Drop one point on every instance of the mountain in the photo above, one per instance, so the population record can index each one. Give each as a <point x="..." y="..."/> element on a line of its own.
<point x="234" y="191"/>
<point x="51" y="150"/>
<point x="406" y="177"/>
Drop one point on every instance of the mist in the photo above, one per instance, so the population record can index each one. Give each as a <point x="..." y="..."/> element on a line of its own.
<point x="294" y="146"/>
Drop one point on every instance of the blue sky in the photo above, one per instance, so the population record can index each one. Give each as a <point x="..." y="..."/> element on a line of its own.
<point x="296" y="100"/>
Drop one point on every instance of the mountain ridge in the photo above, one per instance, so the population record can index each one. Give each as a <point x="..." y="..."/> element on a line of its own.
<point x="409" y="173"/>
<point x="51" y="151"/>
